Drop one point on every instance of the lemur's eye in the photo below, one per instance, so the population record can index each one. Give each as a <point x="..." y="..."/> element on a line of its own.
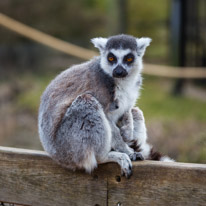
<point x="129" y="59"/>
<point x="111" y="58"/>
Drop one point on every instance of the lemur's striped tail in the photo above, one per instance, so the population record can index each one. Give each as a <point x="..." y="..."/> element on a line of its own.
<point x="152" y="154"/>
<point x="157" y="156"/>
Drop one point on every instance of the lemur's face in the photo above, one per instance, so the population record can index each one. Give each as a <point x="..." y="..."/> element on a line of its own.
<point x="118" y="63"/>
<point x="121" y="55"/>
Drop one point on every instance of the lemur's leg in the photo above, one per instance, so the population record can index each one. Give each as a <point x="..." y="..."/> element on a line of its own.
<point x="140" y="133"/>
<point x="132" y="129"/>
<point x="119" y="145"/>
<point x="126" y="126"/>
<point x="140" y="139"/>
<point x="84" y="137"/>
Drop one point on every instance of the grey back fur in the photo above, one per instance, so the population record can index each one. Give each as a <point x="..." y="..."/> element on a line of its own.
<point x="61" y="92"/>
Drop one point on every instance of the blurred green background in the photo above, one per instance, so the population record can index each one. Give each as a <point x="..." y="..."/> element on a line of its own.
<point x="176" y="123"/>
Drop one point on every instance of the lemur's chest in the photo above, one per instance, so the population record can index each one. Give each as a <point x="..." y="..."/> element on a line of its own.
<point x="125" y="98"/>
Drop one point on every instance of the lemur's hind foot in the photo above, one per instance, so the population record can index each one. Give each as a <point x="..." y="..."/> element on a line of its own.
<point x="153" y="155"/>
<point x="122" y="159"/>
<point x="136" y="156"/>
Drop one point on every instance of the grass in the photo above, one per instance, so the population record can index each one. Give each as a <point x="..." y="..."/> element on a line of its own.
<point x="157" y="102"/>
<point x="33" y="87"/>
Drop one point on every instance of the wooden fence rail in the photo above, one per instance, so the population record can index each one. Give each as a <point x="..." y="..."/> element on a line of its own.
<point x="31" y="178"/>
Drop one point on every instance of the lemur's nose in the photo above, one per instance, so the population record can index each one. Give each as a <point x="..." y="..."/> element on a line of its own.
<point x="119" y="72"/>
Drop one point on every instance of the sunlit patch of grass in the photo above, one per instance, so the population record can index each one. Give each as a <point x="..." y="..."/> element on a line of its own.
<point x="194" y="150"/>
<point x="29" y="97"/>
<point x="157" y="102"/>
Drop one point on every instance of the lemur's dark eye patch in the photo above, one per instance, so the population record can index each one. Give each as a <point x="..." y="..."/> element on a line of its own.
<point x="129" y="58"/>
<point x="111" y="58"/>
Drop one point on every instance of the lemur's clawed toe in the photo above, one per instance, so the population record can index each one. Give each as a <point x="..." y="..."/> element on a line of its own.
<point x="126" y="166"/>
<point x="129" y="174"/>
<point x="136" y="156"/>
<point x="139" y="156"/>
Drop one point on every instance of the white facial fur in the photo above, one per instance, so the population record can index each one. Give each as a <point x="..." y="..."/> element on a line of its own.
<point x="135" y="67"/>
<point x="99" y="43"/>
<point x="142" y="44"/>
<point x="119" y="54"/>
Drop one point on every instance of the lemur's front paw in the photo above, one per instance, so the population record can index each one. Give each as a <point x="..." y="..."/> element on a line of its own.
<point x="126" y="133"/>
<point x="126" y="165"/>
<point x="136" y="156"/>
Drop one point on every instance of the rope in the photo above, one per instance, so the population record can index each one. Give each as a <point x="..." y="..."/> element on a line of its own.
<point x="86" y="54"/>
<point x="45" y="38"/>
<point x="175" y="72"/>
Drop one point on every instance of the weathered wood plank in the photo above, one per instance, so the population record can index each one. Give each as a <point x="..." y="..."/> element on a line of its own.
<point x="157" y="183"/>
<point x="31" y="178"/>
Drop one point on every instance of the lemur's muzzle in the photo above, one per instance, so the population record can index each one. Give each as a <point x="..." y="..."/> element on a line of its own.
<point x="119" y="72"/>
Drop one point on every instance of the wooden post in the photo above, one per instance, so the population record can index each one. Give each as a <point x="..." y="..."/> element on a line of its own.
<point x="31" y="178"/>
<point x="178" y="39"/>
<point x="117" y="16"/>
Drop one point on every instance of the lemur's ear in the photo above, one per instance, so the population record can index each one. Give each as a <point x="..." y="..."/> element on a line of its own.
<point x="99" y="43"/>
<point x="142" y="44"/>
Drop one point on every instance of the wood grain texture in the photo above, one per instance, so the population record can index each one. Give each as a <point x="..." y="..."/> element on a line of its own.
<point x="31" y="178"/>
<point x="157" y="183"/>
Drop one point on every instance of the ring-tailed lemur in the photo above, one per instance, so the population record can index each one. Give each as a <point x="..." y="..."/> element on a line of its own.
<point x="86" y="115"/>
